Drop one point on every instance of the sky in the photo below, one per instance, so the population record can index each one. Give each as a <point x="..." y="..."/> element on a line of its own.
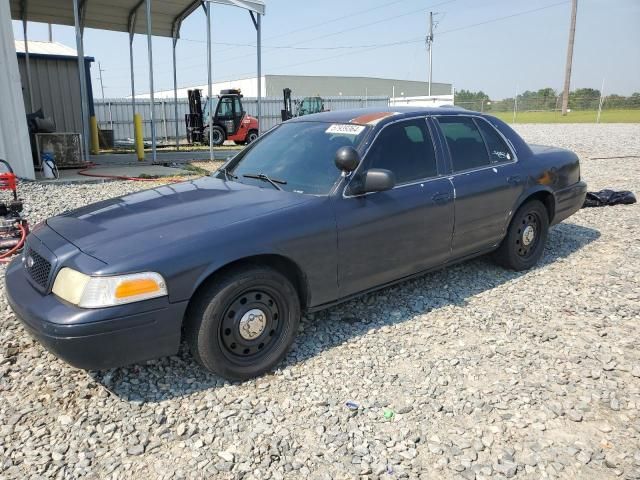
<point x="497" y="46"/>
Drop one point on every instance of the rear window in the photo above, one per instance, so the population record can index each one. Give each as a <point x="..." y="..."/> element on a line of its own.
<point x="498" y="149"/>
<point x="465" y="142"/>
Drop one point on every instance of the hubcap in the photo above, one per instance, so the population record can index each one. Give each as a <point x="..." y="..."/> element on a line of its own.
<point x="528" y="235"/>
<point x="252" y="324"/>
<point x="527" y="239"/>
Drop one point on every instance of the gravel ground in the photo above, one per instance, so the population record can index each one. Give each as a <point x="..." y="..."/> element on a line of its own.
<point x="471" y="372"/>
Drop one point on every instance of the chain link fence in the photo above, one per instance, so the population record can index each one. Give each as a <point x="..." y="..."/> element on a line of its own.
<point x="552" y="104"/>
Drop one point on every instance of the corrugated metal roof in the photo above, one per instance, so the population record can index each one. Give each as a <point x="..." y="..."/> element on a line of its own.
<point x="46" y="48"/>
<point x="167" y="15"/>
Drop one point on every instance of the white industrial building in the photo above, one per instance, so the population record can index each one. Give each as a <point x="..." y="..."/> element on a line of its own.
<point x="319" y="85"/>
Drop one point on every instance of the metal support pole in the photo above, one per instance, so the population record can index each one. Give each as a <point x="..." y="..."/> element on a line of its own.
<point x="26" y="58"/>
<point x="209" y="82"/>
<point x="175" y="92"/>
<point x="259" y="42"/>
<point x="430" y="46"/>
<point x="600" y="102"/>
<point x="84" y="105"/>
<point x="133" y="88"/>
<point x="150" y="49"/>
<point x="164" y="121"/>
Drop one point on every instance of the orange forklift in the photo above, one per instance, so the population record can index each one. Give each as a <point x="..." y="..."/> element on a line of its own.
<point x="230" y="121"/>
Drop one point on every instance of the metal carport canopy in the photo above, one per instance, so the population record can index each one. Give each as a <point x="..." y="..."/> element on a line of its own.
<point x="114" y="14"/>
<point x="163" y="18"/>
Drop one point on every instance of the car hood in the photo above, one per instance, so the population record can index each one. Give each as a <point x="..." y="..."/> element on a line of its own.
<point x="122" y="226"/>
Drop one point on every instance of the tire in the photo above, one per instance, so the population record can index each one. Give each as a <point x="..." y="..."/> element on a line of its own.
<point x="219" y="136"/>
<point x="524" y="243"/>
<point x="243" y="323"/>
<point x="252" y="136"/>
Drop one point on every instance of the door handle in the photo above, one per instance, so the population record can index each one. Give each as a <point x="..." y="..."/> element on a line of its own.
<point x="514" y="180"/>
<point x="441" y="197"/>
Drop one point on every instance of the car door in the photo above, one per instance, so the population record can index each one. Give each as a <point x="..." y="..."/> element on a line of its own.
<point x="385" y="236"/>
<point x="485" y="181"/>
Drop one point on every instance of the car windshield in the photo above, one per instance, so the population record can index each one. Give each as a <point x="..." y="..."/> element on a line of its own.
<point x="297" y="157"/>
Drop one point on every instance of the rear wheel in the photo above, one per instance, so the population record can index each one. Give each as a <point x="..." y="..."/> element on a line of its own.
<point x="526" y="237"/>
<point x="244" y="322"/>
<point x="252" y="136"/>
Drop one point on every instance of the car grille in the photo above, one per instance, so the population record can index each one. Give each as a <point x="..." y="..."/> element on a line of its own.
<point x="40" y="269"/>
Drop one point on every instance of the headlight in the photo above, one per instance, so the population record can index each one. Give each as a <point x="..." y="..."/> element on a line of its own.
<point x="96" y="292"/>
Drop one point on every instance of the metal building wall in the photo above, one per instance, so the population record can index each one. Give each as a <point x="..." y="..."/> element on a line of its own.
<point x="116" y="113"/>
<point x="14" y="137"/>
<point x="326" y="86"/>
<point x="56" y="89"/>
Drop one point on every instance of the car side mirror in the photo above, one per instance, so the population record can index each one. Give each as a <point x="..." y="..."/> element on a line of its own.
<point x="347" y="159"/>
<point x="378" y="180"/>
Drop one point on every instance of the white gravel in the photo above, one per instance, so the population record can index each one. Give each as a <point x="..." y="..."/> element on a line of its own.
<point x="490" y="373"/>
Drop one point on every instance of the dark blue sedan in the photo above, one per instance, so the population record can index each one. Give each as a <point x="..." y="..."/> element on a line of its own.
<point x="318" y="210"/>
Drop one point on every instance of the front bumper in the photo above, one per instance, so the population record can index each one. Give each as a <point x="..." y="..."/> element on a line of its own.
<point x="569" y="201"/>
<point x="95" y="339"/>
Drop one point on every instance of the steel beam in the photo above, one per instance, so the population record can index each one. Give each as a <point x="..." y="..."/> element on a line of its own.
<point x="150" y="49"/>
<point x="257" y="24"/>
<point x="78" y="15"/>
<point x="23" y="14"/>
<point x="175" y="92"/>
<point x="209" y="82"/>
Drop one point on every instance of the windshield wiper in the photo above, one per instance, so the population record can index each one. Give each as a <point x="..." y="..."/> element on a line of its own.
<point x="228" y="174"/>
<point x="261" y="176"/>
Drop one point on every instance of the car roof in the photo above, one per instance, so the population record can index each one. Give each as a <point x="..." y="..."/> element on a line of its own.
<point x="376" y="115"/>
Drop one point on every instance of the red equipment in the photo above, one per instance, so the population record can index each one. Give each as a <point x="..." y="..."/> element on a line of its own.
<point x="230" y="121"/>
<point x="13" y="226"/>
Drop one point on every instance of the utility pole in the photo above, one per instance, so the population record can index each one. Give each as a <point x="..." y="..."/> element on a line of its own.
<point x="567" y="72"/>
<point x="101" y="84"/>
<point x="50" y="33"/>
<point x="430" y="48"/>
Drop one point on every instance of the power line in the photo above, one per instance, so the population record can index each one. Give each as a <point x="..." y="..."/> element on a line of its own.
<point x="366" y="48"/>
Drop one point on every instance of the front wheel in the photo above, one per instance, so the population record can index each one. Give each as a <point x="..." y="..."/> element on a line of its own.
<point x="217" y="136"/>
<point x="524" y="243"/>
<point x="244" y="322"/>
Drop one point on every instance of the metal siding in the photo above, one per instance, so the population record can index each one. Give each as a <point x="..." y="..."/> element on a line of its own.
<point x="56" y="88"/>
<point x="324" y="86"/>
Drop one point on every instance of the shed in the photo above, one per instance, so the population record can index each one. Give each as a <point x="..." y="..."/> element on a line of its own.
<point x="55" y="82"/>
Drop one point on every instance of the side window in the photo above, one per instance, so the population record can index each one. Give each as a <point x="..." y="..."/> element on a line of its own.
<point x="225" y="109"/>
<point x="465" y="143"/>
<point x="238" y="107"/>
<point x="498" y="150"/>
<point x="406" y="149"/>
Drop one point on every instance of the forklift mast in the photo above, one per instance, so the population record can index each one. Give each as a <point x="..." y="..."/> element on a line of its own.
<point x="194" y="119"/>
<point x="287" y="113"/>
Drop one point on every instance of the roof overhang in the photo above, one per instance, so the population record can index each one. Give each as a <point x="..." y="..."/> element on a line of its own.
<point x="116" y="15"/>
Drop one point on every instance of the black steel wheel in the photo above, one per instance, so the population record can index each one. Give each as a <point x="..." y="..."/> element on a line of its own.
<point x="527" y="237"/>
<point x="242" y="324"/>
<point x="524" y="243"/>
<point x="250" y="325"/>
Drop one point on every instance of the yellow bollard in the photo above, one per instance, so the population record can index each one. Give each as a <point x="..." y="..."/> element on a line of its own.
<point x="137" y="129"/>
<point x="95" y="141"/>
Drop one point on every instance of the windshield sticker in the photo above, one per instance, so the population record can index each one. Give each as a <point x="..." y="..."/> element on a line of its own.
<point x="345" y="129"/>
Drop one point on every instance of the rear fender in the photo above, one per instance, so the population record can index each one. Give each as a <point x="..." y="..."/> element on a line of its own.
<point x="535" y="191"/>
